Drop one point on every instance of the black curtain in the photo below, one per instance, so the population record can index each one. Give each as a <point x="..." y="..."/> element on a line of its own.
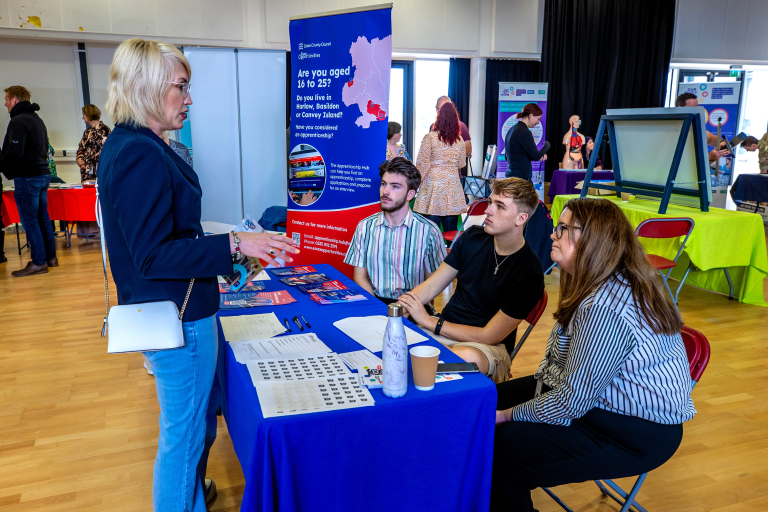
<point x="458" y="86"/>
<point x="601" y="54"/>
<point x="502" y="71"/>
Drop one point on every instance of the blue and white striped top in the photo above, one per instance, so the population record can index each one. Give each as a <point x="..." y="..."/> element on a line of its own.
<point x="611" y="359"/>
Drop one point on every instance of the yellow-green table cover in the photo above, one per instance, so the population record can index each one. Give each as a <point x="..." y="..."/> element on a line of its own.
<point x="720" y="239"/>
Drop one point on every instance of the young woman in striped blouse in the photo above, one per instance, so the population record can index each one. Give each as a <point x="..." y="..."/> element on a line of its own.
<point x="615" y="384"/>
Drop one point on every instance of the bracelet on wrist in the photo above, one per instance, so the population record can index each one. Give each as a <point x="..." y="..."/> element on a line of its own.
<point x="238" y="254"/>
<point x="439" y="326"/>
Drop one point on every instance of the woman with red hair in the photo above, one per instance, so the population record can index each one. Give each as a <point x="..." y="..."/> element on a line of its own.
<point x="442" y="154"/>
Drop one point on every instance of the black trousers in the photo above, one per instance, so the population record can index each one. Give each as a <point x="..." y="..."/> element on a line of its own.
<point x="599" y="445"/>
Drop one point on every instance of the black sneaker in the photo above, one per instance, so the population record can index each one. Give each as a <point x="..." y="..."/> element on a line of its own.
<point x="3" y="259"/>
<point x="210" y="493"/>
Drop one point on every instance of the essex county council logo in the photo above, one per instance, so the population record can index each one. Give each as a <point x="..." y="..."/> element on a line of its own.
<point x="505" y="92"/>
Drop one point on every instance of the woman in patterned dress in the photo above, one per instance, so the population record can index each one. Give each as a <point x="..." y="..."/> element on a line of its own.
<point x="89" y="150"/>
<point x="394" y="133"/>
<point x="442" y="154"/>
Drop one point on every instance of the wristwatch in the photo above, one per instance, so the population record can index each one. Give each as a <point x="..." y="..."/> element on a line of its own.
<point x="439" y="326"/>
<point x="238" y="254"/>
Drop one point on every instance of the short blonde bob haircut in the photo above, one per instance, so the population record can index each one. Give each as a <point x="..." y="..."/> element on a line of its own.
<point x="139" y="78"/>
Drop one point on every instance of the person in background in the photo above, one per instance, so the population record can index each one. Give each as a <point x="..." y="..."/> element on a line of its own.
<point x="690" y="100"/>
<point x="590" y="146"/>
<point x="395" y="250"/>
<point x="151" y="207"/>
<point x="499" y="282"/>
<point x="442" y="154"/>
<point x="442" y="100"/>
<point x="393" y="137"/>
<point x="89" y="150"/>
<point x="762" y="154"/>
<point x="614" y="388"/>
<point x="24" y="159"/>
<point x="750" y="144"/>
<point x="520" y="148"/>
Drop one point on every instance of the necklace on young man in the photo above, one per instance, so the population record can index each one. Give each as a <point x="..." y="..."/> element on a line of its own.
<point x="505" y="258"/>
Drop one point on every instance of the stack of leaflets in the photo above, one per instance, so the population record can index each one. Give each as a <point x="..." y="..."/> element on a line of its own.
<point x="305" y="279"/>
<point x="253" y="286"/>
<point x="292" y="271"/>
<point x="337" y="297"/>
<point x="253" y="299"/>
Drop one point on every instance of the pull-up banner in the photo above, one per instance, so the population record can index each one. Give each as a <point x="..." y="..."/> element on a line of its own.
<point x="513" y="96"/>
<point x="340" y="63"/>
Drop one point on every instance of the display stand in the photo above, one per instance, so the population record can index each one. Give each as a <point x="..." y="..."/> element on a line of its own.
<point x="650" y="141"/>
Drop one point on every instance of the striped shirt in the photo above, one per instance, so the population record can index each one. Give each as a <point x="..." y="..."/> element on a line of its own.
<point x="611" y="359"/>
<point x="396" y="258"/>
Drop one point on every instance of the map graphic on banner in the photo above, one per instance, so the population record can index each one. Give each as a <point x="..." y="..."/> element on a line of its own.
<point x="340" y="66"/>
<point x="721" y="101"/>
<point x="512" y="98"/>
<point x="369" y="88"/>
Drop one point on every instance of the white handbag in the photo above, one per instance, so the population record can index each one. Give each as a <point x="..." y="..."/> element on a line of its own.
<point x="140" y="327"/>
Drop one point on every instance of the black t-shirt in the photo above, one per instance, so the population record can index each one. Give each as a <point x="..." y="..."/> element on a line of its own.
<point x="515" y="289"/>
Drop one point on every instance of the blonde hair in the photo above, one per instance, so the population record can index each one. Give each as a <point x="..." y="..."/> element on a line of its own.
<point x="139" y="79"/>
<point x="92" y="112"/>
<point x="18" y="92"/>
<point x="521" y="191"/>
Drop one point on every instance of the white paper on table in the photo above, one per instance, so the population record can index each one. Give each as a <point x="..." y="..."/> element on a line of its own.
<point x="313" y="395"/>
<point x="284" y="346"/>
<point x="216" y="228"/>
<point x="369" y="331"/>
<point x="261" y="276"/>
<point x="296" y="368"/>
<point x="251" y="327"/>
<point x="361" y="359"/>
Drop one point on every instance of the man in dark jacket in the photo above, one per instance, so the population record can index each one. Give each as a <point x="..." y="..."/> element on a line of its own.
<point x="24" y="159"/>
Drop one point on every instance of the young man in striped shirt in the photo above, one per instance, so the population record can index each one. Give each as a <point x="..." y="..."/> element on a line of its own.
<point x="397" y="249"/>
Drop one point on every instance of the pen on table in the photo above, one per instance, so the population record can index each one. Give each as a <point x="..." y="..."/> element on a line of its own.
<point x="305" y="321"/>
<point x="285" y="321"/>
<point x="296" y="320"/>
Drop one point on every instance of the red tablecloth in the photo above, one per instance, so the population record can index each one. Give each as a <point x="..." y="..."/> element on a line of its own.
<point x="72" y="204"/>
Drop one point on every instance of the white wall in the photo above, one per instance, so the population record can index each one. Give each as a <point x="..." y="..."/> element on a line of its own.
<point x="472" y="28"/>
<point x="730" y="31"/>
<point x="50" y="71"/>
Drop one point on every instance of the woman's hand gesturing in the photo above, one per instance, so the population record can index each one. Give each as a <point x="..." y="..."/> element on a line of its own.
<point x="265" y="246"/>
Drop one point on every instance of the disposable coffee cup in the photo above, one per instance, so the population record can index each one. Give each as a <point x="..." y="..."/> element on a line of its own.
<point x="424" y="364"/>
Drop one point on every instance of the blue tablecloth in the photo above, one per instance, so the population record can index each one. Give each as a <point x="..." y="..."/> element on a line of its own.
<point x="564" y="181"/>
<point x="750" y="187"/>
<point x="426" y="451"/>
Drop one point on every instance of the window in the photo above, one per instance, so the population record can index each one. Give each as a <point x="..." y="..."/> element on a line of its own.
<point x="401" y="100"/>
<point x="431" y="82"/>
<point x="754" y="118"/>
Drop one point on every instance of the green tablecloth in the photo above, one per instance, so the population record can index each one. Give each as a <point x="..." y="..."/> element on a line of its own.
<point x="720" y="239"/>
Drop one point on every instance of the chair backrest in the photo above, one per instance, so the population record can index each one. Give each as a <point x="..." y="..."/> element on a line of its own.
<point x="533" y="316"/>
<point x="665" y="228"/>
<point x="698" y="351"/>
<point x="478" y="207"/>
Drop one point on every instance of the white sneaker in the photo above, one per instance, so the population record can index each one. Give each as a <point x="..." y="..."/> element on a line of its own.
<point x="148" y="367"/>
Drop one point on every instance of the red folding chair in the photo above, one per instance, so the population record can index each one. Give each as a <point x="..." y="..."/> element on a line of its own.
<point x="532" y="319"/>
<point x="476" y="208"/>
<point x="666" y="228"/>
<point x="698" y="351"/>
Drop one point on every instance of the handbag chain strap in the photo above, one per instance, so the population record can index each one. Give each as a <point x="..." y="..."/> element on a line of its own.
<point x="100" y="222"/>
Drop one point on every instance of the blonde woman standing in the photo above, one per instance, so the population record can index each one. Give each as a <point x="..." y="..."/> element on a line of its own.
<point x="442" y="154"/>
<point x="150" y="200"/>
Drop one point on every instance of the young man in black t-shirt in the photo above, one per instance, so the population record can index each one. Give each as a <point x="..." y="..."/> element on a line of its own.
<point x="499" y="282"/>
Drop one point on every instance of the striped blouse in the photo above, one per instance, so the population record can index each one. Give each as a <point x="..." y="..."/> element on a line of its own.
<point x="611" y="359"/>
<point x="396" y="258"/>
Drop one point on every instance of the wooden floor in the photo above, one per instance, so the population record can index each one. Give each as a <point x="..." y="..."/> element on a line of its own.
<point x="78" y="427"/>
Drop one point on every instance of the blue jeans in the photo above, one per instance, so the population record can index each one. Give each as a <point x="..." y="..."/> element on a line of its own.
<point x="31" y="196"/>
<point x="184" y="378"/>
